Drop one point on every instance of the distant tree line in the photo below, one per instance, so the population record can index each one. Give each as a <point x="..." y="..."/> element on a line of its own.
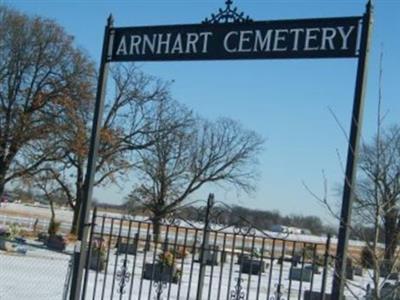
<point x="265" y="220"/>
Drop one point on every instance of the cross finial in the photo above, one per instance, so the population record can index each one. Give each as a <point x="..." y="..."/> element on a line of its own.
<point x="228" y="15"/>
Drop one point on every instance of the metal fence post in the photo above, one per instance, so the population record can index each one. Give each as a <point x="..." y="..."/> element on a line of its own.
<point x="81" y="244"/>
<point x="326" y="265"/>
<point x="204" y="247"/>
<point x="89" y="252"/>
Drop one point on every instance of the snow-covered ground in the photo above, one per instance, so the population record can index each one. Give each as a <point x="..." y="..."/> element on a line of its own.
<point x="41" y="274"/>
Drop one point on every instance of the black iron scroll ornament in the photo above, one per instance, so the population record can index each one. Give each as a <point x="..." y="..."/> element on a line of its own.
<point x="123" y="276"/>
<point x="228" y="15"/>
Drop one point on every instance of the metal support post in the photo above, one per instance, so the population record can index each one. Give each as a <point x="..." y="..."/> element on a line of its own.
<point x="80" y="251"/>
<point x="204" y="247"/>
<point x="352" y="156"/>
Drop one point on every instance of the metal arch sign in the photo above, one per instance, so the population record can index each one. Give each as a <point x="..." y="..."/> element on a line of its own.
<point x="308" y="38"/>
<point x="228" y="35"/>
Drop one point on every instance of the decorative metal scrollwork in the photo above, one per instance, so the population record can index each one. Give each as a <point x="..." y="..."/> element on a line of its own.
<point x="228" y="15"/>
<point x="171" y="220"/>
<point x="238" y="292"/>
<point x="123" y="276"/>
<point x="159" y="288"/>
<point x="244" y="228"/>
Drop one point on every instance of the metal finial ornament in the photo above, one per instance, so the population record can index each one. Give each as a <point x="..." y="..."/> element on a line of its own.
<point x="110" y="20"/>
<point x="228" y="15"/>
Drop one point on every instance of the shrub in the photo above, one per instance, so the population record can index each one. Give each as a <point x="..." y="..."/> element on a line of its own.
<point x="54" y="226"/>
<point x="367" y="258"/>
<point x="14" y="231"/>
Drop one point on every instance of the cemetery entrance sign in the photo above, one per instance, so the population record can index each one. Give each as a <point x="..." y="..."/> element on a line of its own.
<point x="336" y="37"/>
<point x="229" y="35"/>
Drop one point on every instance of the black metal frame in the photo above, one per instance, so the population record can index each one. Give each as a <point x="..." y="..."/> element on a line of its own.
<point x="228" y="15"/>
<point x="352" y="157"/>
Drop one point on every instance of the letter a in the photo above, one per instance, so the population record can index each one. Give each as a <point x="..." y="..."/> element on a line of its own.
<point x="122" y="47"/>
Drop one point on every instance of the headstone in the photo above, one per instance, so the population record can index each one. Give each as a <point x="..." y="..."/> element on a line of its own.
<point x="211" y="257"/>
<point x="358" y="271"/>
<point x="97" y="261"/>
<point x="3" y="231"/>
<point x="42" y="236"/>
<point x="165" y="245"/>
<point x="390" y="291"/>
<point x="314" y="268"/>
<point x="242" y="258"/>
<point x="349" y="269"/>
<point x="254" y="267"/>
<point x="7" y="246"/>
<point x="313" y="295"/>
<point x="386" y="267"/>
<point x="224" y="257"/>
<point x="21" y="249"/>
<point x="159" y="272"/>
<point x="56" y="243"/>
<point x="124" y="247"/>
<point x="299" y="274"/>
<point x="393" y="276"/>
<point x="296" y="260"/>
<point x="147" y="244"/>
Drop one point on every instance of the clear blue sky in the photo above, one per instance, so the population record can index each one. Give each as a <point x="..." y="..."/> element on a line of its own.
<point x="286" y="101"/>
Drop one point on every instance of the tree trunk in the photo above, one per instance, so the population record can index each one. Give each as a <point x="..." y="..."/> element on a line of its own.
<point x="77" y="209"/>
<point x="79" y="199"/>
<point x="2" y="181"/>
<point x="75" y="218"/>
<point x="2" y="185"/>
<point x="52" y="226"/>
<point x="391" y="235"/>
<point x="376" y="274"/>
<point x="156" y="220"/>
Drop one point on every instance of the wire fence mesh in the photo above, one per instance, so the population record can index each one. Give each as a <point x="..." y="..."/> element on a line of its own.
<point x="30" y="271"/>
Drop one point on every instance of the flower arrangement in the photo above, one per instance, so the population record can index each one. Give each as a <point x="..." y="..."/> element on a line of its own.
<point x="166" y="258"/>
<point x="180" y="253"/>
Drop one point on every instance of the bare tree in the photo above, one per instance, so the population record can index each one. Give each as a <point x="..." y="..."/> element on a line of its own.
<point x="128" y="117"/>
<point x="376" y="210"/>
<point x="40" y="71"/>
<point x="195" y="153"/>
<point x="379" y="188"/>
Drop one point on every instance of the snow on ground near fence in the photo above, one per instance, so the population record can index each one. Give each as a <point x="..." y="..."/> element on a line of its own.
<point x="38" y="275"/>
<point x="41" y="274"/>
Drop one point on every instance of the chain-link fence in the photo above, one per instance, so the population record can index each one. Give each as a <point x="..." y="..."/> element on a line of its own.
<point x="28" y="270"/>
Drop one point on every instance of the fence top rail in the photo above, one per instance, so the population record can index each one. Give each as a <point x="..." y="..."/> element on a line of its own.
<point x="222" y="231"/>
